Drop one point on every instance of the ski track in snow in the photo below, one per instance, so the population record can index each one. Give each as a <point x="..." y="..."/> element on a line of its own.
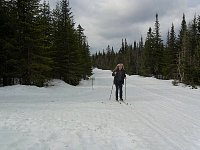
<point x="63" y="117"/>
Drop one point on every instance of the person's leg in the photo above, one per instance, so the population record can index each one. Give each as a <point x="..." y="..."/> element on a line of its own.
<point x="121" y="92"/>
<point x="116" y="92"/>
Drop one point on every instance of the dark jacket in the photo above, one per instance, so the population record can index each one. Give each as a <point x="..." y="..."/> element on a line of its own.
<point x="119" y="76"/>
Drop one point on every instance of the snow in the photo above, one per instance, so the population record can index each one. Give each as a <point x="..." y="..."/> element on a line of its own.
<point x="159" y="116"/>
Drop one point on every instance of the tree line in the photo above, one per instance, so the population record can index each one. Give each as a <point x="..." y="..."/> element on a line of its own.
<point x="178" y="58"/>
<point x="38" y="44"/>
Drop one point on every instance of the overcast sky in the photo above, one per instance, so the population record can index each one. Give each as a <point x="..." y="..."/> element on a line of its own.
<point x="106" y="22"/>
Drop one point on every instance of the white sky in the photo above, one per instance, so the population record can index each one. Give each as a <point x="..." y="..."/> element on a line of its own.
<point x="106" y="22"/>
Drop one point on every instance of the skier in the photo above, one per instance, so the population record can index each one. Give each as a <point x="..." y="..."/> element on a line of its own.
<point x="119" y="76"/>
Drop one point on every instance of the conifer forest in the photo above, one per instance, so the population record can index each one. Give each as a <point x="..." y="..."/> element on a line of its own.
<point x="178" y="58"/>
<point x="38" y="44"/>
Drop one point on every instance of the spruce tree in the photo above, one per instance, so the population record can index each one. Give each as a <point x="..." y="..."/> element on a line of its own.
<point x="148" y="55"/>
<point x="84" y="49"/>
<point x="140" y="56"/>
<point x="197" y="54"/>
<point x="9" y="54"/>
<point x="28" y="12"/>
<point x="192" y="61"/>
<point x="42" y="61"/>
<point x="182" y="49"/>
<point x="170" y="56"/>
<point x="67" y="55"/>
<point x="179" y="59"/>
<point x="157" y="49"/>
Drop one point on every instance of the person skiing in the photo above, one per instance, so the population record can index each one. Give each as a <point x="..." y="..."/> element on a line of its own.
<point x="119" y="76"/>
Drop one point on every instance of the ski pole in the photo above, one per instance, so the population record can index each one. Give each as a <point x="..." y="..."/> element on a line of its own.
<point x="125" y="88"/>
<point x="111" y="92"/>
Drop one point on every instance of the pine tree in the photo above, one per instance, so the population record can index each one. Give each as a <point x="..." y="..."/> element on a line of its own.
<point x="157" y="49"/>
<point x="148" y="55"/>
<point x="171" y="53"/>
<point x="108" y="57"/>
<point x="67" y="55"/>
<point x="9" y="54"/>
<point x="28" y="11"/>
<point x="36" y="46"/>
<point x="42" y="61"/>
<point x="127" y="57"/>
<point x="121" y="54"/>
<point x="197" y="54"/>
<point x="179" y="59"/>
<point x="87" y="64"/>
<point x="192" y="61"/>
<point x="140" y="56"/>
<point x="85" y="52"/>
<point x="131" y="59"/>
<point x="183" y="48"/>
<point x="113" y="59"/>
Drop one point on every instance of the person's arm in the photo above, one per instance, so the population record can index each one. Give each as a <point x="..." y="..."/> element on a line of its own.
<point x="114" y="71"/>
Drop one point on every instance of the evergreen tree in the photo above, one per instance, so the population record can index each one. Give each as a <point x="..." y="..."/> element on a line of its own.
<point x="28" y="12"/>
<point x="87" y="63"/>
<point x="191" y="70"/>
<point x="42" y="61"/>
<point x="170" y="56"/>
<point x="179" y="59"/>
<point x="127" y="57"/>
<point x="121" y="54"/>
<point x="85" y="53"/>
<point x="148" y="55"/>
<point x="108" y="57"/>
<point x="67" y="53"/>
<point x="197" y="54"/>
<point x="36" y="46"/>
<point x="9" y="54"/>
<point x="132" y="59"/>
<point x="113" y="60"/>
<point x="157" y="49"/>
<point x="140" y="56"/>
<point x="183" y="48"/>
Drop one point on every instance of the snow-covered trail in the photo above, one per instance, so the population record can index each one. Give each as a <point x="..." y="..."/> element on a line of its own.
<point x="62" y="117"/>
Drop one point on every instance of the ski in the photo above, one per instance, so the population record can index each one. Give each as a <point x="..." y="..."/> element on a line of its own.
<point x="118" y="101"/>
<point x="124" y="102"/>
